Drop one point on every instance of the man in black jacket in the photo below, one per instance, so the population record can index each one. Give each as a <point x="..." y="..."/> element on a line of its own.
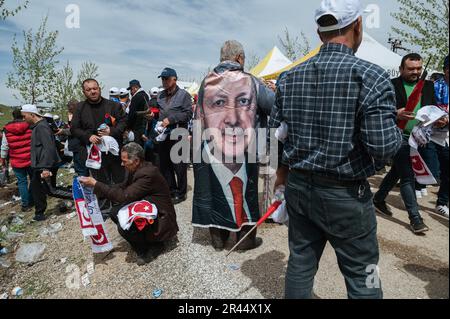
<point x="410" y="72"/>
<point x="88" y="117"/>
<point x="138" y="105"/>
<point x="44" y="157"/>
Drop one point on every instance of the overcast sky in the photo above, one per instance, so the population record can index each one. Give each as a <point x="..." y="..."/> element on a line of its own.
<point x="137" y="39"/>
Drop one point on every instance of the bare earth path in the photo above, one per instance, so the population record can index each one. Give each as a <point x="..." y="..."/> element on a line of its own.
<point x="411" y="266"/>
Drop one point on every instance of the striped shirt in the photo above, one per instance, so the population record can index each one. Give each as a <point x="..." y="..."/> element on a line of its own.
<point x="341" y="115"/>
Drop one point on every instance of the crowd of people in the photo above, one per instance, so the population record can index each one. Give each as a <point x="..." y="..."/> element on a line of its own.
<point x="341" y="116"/>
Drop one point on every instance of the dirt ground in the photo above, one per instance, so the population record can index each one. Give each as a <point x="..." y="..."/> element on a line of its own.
<point x="412" y="267"/>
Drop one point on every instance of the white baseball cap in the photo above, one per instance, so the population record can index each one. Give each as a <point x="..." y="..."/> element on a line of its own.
<point x="345" y="11"/>
<point x="114" y="91"/>
<point x="30" y="108"/>
<point x="123" y="92"/>
<point x="48" y="115"/>
<point x="154" y="91"/>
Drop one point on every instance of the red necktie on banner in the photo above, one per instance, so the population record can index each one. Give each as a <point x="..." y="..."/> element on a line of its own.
<point x="238" y="196"/>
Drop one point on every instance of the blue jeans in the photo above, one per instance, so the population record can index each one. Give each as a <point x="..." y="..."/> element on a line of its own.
<point x="402" y="170"/>
<point x="79" y="165"/>
<point x="430" y="156"/>
<point x="343" y="215"/>
<point x="24" y="185"/>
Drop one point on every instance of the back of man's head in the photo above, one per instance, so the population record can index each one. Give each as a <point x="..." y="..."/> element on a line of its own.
<point x="340" y="21"/>
<point x="17" y="114"/>
<point x="231" y="51"/>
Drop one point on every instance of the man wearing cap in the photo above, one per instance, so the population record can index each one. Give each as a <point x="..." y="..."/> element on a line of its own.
<point x="125" y="99"/>
<point x="114" y="94"/>
<point x="89" y="116"/>
<point x="44" y="157"/>
<point x="342" y="117"/>
<point x="138" y="105"/>
<point x="175" y="106"/>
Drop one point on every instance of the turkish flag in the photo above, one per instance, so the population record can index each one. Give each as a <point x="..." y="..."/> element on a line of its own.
<point x="101" y="238"/>
<point x="421" y="170"/>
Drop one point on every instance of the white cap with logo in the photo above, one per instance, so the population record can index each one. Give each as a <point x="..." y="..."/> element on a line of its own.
<point x="124" y="92"/>
<point x="154" y="91"/>
<point x="114" y="91"/>
<point x="345" y="11"/>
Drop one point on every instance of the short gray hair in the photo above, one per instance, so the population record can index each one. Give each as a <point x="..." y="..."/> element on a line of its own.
<point x="134" y="151"/>
<point x="230" y="50"/>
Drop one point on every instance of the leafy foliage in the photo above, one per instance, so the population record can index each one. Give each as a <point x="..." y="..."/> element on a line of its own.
<point x="426" y="26"/>
<point x="34" y="65"/>
<point x="294" y="48"/>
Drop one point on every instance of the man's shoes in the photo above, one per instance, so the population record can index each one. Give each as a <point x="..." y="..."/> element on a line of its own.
<point x="218" y="238"/>
<point x="419" y="227"/>
<point x="442" y="210"/>
<point x="151" y="254"/>
<point x="26" y="209"/>
<point x="424" y="192"/>
<point x="39" y="217"/>
<point x="382" y="208"/>
<point x="143" y="259"/>
<point x="250" y="243"/>
<point x="178" y="199"/>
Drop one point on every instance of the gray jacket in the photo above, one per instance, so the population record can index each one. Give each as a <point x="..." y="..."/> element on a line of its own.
<point x="44" y="154"/>
<point x="178" y="108"/>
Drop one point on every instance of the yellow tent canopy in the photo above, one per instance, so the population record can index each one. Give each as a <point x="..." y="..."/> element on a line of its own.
<point x="272" y="62"/>
<point x="275" y="75"/>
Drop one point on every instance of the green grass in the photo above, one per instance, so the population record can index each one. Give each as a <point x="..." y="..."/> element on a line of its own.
<point x="6" y="117"/>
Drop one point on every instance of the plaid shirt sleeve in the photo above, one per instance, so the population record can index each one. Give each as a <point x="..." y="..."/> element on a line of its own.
<point x="276" y="118"/>
<point x="379" y="132"/>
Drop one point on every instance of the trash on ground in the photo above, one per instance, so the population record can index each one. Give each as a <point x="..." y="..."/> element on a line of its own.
<point x="30" y="253"/>
<point x="234" y="267"/>
<point x="17" y="292"/>
<point x="157" y="293"/>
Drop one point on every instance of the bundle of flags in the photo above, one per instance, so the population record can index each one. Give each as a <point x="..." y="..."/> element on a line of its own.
<point x="108" y="145"/>
<point x="422" y="135"/>
<point x="141" y="213"/>
<point x="90" y="217"/>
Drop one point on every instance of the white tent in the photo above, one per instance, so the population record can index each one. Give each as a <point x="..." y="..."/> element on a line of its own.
<point x="274" y="61"/>
<point x="372" y="51"/>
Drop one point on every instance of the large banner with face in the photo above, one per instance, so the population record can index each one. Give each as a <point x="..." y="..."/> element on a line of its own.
<point x="226" y="180"/>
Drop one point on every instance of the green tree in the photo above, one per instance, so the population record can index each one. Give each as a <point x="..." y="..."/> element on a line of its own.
<point x="252" y="61"/>
<point x="89" y="70"/>
<point x="5" y="13"/>
<point x="65" y="89"/>
<point x="425" y="25"/>
<point x="296" y="47"/>
<point x="34" y="65"/>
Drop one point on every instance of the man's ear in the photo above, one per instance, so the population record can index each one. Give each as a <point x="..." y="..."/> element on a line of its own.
<point x="358" y="27"/>
<point x="320" y="35"/>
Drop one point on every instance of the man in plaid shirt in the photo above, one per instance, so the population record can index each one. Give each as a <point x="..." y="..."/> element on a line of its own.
<point x="341" y="116"/>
